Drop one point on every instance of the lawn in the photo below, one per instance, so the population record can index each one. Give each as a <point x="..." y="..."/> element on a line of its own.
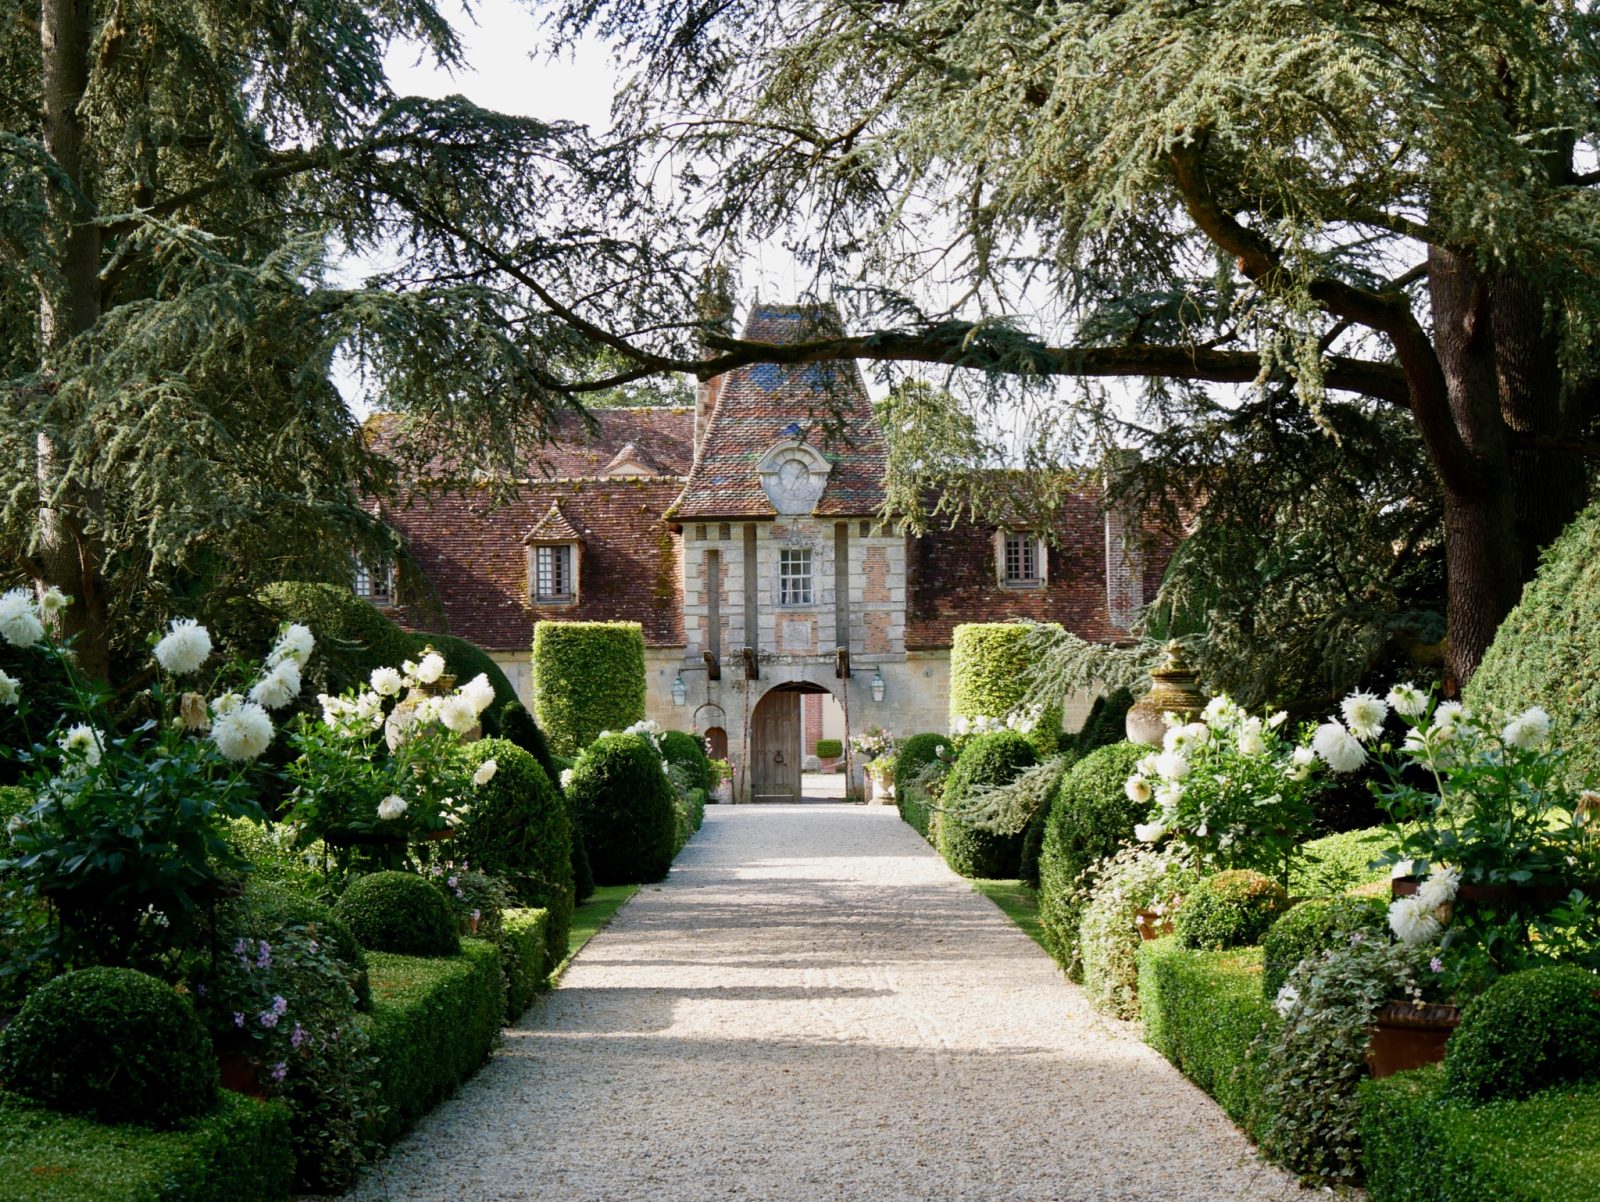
<point x="591" y="916"/>
<point x="1019" y="901"/>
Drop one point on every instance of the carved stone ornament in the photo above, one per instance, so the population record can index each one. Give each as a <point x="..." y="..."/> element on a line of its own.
<point x="1172" y="691"/>
<point x="793" y="475"/>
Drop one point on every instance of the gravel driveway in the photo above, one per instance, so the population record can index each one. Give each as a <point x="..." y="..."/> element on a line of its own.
<point x="814" y="1007"/>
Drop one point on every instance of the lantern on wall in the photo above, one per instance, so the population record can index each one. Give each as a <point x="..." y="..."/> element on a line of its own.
<point x="877" y="685"/>
<point x="680" y="692"/>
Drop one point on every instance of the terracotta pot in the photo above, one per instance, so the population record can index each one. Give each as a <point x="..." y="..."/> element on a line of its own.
<point x="1407" y="1036"/>
<point x="1405" y="886"/>
<point x="1152" y="925"/>
<point x="239" y="1074"/>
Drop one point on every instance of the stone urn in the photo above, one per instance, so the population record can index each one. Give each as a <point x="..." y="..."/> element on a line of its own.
<point x="1172" y="691"/>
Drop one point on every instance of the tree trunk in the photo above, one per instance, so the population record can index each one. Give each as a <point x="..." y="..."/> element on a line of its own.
<point x="69" y="551"/>
<point x="1483" y="555"/>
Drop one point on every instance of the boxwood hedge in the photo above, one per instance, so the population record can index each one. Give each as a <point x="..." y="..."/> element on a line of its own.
<point x="625" y="806"/>
<point x="910" y="758"/>
<point x="992" y="759"/>
<point x="399" y="912"/>
<point x="1229" y="909"/>
<point x="525" y="958"/>
<point x="587" y="677"/>
<point x="989" y="664"/>
<point x="686" y="750"/>
<point x="1526" y="1032"/>
<point x="1316" y="925"/>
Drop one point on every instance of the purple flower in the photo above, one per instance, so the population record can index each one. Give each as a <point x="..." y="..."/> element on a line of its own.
<point x="312" y="947"/>
<point x="240" y="947"/>
<point x="280" y="1071"/>
<point x="1357" y="937"/>
<point x="453" y="881"/>
<point x="278" y="1004"/>
<point x="200" y="989"/>
<point x="238" y="1019"/>
<point x="297" y="1036"/>
<point x="268" y="1019"/>
<point x="1436" y="964"/>
<point x="264" y="957"/>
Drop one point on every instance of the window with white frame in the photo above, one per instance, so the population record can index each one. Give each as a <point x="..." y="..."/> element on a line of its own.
<point x="374" y="584"/>
<point x="794" y="576"/>
<point x="1021" y="562"/>
<point x="552" y="573"/>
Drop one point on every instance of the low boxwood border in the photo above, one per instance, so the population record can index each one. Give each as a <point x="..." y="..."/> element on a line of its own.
<point x="239" y="1152"/>
<point x="434" y="1021"/>
<point x="1417" y="1144"/>
<point x="525" y="958"/>
<point x="1202" y="1010"/>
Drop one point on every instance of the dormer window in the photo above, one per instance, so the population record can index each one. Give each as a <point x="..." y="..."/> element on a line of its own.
<point x="374" y="584"/>
<point x="552" y="574"/>
<point x="794" y="576"/>
<point x="1021" y="559"/>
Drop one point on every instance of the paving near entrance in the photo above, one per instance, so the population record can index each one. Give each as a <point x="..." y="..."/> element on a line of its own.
<point x="814" y="1007"/>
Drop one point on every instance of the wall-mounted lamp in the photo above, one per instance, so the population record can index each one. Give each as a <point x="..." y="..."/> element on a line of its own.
<point x="877" y="685"/>
<point x="680" y="692"/>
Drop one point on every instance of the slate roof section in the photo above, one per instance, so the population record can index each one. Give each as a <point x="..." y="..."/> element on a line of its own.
<point x="474" y="557"/>
<point x="764" y="403"/>
<point x="950" y="578"/>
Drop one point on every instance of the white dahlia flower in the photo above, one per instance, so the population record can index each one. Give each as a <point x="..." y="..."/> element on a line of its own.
<point x="1301" y="761"/>
<point x="1338" y="748"/>
<point x="19" y="618"/>
<point x="1413" y="921"/>
<point x="1150" y="832"/>
<point x="84" y="742"/>
<point x="53" y="601"/>
<point x="242" y="733"/>
<point x="296" y="643"/>
<point x="1407" y="700"/>
<point x="386" y="682"/>
<point x="1170" y="765"/>
<point x="1364" y="714"/>
<point x="392" y="807"/>
<point x="430" y="668"/>
<point x="479" y="692"/>
<point x="10" y="690"/>
<point x="1440" y="887"/>
<point x="279" y="686"/>
<point x="456" y="713"/>
<point x="1528" y="730"/>
<point x="1138" y="790"/>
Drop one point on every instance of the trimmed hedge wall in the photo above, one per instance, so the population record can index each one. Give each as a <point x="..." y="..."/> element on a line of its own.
<point x="525" y="958"/>
<point x="989" y="664"/>
<point x="1547" y="651"/>
<point x="995" y="759"/>
<point x="627" y="810"/>
<point x="1419" y="1145"/>
<point x="1337" y="864"/>
<point x="238" y="1152"/>
<point x="434" y="1021"/>
<point x="1089" y="819"/>
<point x="587" y="677"/>
<point x="1202" y="1010"/>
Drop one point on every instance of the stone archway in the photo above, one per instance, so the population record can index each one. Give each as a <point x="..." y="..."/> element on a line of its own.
<point x="776" y="747"/>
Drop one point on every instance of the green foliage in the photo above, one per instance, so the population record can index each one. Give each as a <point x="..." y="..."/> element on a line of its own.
<point x="525" y="955"/>
<point x="1229" y="909"/>
<point x="1547" y="651"/>
<point x="518" y="829"/>
<point x="477" y="899"/>
<point x="516" y="725"/>
<point x="434" y="1021"/>
<point x="992" y="759"/>
<point x="465" y="660"/>
<point x="680" y="747"/>
<point x="1089" y="819"/>
<point x="989" y="673"/>
<point x="582" y="871"/>
<point x="399" y="912"/>
<point x="112" y="1043"/>
<point x="1314" y="926"/>
<point x="353" y="638"/>
<point x="1133" y="880"/>
<point x="239" y="1151"/>
<point x="1336" y="864"/>
<point x="831" y="749"/>
<point x="689" y="808"/>
<point x="588" y="677"/>
<point x="1202" y="1011"/>
<point x="268" y="908"/>
<point x="274" y="858"/>
<point x="1419" y="1143"/>
<point x="911" y="757"/>
<point x="624" y="803"/>
<point x="1528" y="1031"/>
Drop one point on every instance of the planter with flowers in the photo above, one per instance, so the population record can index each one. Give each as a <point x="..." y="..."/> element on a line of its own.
<point x="875" y="748"/>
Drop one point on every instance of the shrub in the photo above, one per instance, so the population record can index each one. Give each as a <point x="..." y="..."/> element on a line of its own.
<point x="525" y="958"/>
<point x="582" y="873"/>
<point x="1229" y="909"/>
<point x="270" y="849"/>
<point x="830" y="749"/>
<point x="587" y="677"/>
<point x="238" y="1152"/>
<point x="1419" y="1143"/>
<point x="1526" y="1032"/>
<point x="465" y="660"/>
<point x="1548" y="648"/>
<point x="681" y="748"/>
<point x="1090" y="818"/>
<point x="516" y="725"/>
<point x="1202" y="1011"/>
<point x="625" y="805"/>
<point x="399" y="912"/>
<point x="433" y="1023"/>
<point x="112" y="1043"/>
<point x="689" y="809"/>
<point x="1134" y="879"/>
<point x="267" y="908"/>
<point x="353" y="638"/>
<point x="993" y="759"/>
<point x="989" y="676"/>
<point x="519" y="829"/>
<point x="911" y="757"/>
<point x="1311" y="928"/>
<point x="1336" y="864"/>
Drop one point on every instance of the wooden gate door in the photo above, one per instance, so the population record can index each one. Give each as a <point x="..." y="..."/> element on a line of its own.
<point x="775" y="747"/>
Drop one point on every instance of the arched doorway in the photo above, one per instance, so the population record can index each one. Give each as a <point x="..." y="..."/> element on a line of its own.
<point x="776" y="747"/>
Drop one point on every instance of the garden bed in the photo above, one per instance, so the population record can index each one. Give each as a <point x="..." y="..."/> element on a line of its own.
<point x="237" y="1153"/>
<point x="1421" y="1145"/>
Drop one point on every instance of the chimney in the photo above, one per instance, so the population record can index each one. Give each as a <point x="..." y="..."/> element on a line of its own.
<point x="1124" y="546"/>
<point x="705" y="401"/>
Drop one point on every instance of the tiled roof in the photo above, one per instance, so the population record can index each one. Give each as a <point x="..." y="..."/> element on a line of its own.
<point x="951" y="578"/>
<point x="763" y="404"/>
<point x="474" y="557"/>
<point x="632" y="456"/>
<point x="574" y="451"/>
<point x="553" y="527"/>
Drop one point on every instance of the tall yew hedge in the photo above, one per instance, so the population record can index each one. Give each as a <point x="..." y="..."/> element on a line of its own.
<point x="989" y="664"/>
<point x="587" y="677"/>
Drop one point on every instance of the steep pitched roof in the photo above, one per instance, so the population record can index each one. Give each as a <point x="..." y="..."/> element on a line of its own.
<point x="632" y="457"/>
<point x="552" y="527"/>
<point x="764" y="403"/>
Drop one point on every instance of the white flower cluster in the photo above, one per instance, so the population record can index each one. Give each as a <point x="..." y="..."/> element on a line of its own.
<point x="185" y="647"/>
<point x="1420" y="918"/>
<point x="22" y="617"/>
<point x="1022" y="720"/>
<point x="649" y="730"/>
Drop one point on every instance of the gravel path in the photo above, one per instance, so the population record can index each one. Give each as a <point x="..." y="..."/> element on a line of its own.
<point x="814" y="1007"/>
